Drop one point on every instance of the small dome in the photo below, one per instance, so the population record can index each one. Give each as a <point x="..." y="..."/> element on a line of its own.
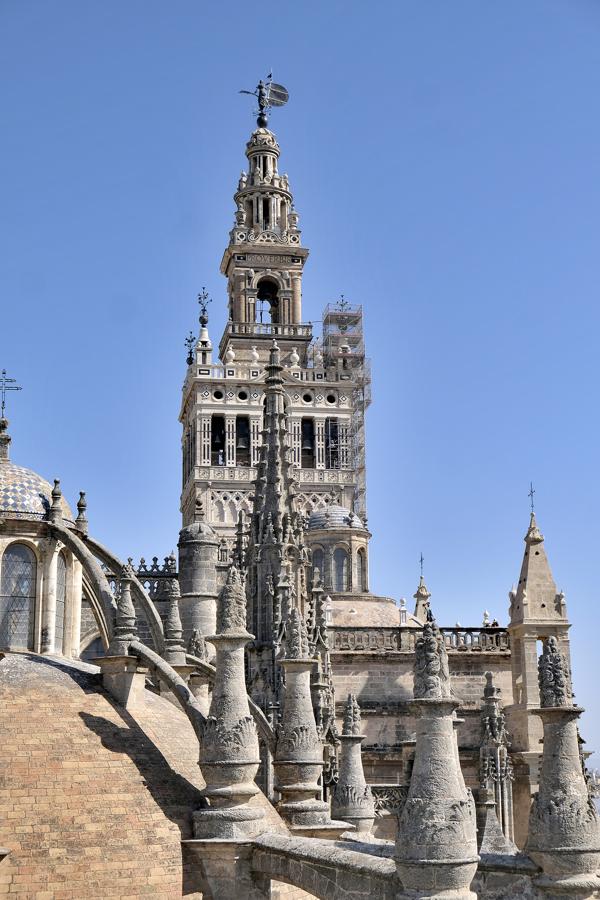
<point x="26" y="495"/>
<point x="333" y="516"/>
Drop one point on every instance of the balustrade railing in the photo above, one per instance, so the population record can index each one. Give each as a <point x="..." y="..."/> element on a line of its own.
<point x="372" y="638"/>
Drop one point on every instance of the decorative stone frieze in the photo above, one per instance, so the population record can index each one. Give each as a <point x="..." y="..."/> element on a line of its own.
<point x="352" y="800"/>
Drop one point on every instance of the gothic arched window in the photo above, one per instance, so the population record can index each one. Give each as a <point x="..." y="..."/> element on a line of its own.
<point x="61" y="596"/>
<point x="17" y="597"/>
<point x="340" y="570"/>
<point x="361" y="566"/>
<point x="317" y="560"/>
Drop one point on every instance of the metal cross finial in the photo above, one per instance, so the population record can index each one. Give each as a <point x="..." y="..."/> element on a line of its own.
<point x="421" y="561"/>
<point x="342" y="303"/>
<point x="189" y="343"/>
<point x="530" y="495"/>
<point x="204" y="300"/>
<point x="7" y="384"/>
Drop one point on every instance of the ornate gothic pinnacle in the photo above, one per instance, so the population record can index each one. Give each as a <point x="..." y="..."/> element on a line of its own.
<point x="553" y="677"/>
<point x="296" y="637"/>
<point x="125" y="630"/>
<point x="174" y="648"/>
<point x="431" y="674"/>
<point x="351" y="725"/>
<point x="197" y="645"/>
<point x="231" y="605"/>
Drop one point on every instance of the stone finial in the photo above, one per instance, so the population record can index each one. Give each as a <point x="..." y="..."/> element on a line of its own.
<point x="351" y="724"/>
<point x="431" y="673"/>
<point x="296" y="637"/>
<point x="56" y="510"/>
<point x="81" y="522"/>
<point x="174" y="647"/>
<point x="534" y="535"/>
<point x="197" y="645"/>
<point x="553" y="677"/>
<point x="231" y="605"/>
<point x="5" y="440"/>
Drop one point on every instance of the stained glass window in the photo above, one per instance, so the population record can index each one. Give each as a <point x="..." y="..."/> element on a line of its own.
<point x="17" y="597"/>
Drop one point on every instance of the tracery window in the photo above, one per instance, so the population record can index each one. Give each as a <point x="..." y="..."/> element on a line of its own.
<point x="340" y="570"/>
<point x="61" y="595"/>
<point x="17" y="597"/>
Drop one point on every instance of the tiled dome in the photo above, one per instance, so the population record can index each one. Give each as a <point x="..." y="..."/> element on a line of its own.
<point x="26" y="495"/>
<point x="333" y="516"/>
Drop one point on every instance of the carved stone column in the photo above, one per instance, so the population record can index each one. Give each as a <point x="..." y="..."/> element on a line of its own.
<point x="436" y="847"/>
<point x="49" y="598"/>
<point x="299" y="752"/>
<point x="229" y="755"/>
<point x="564" y="830"/>
<point x="352" y="800"/>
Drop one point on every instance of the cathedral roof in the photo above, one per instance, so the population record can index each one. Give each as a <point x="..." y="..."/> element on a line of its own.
<point x="26" y="495"/>
<point x="333" y="516"/>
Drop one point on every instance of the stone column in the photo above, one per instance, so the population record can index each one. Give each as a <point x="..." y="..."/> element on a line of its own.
<point x="296" y="299"/>
<point x="229" y="755"/>
<point x="564" y="828"/>
<point x="49" y="599"/>
<point x="352" y="800"/>
<point x="298" y="759"/>
<point x="198" y="546"/>
<point x="436" y="846"/>
<point x="76" y="598"/>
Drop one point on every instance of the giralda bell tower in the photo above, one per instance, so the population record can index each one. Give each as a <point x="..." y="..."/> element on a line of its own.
<point x="326" y="381"/>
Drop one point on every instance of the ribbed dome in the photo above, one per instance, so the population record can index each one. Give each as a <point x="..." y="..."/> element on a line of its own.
<point x="333" y="516"/>
<point x="25" y="494"/>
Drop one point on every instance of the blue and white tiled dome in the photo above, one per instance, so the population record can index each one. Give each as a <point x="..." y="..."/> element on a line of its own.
<point x="26" y="495"/>
<point x="333" y="516"/>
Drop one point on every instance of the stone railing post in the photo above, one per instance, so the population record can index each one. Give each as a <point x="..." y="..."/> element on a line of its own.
<point x="436" y="847"/>
<point x="229" y="754"/>
<point x="564" y="830"/>
<point x="298" y="759"/>
<point x="352" y="800"/>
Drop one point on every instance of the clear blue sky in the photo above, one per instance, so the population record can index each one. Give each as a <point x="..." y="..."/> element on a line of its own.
<point x="445" y="160"/>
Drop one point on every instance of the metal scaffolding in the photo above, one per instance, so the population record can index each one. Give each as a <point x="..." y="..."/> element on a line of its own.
<point x="344" y="352"/>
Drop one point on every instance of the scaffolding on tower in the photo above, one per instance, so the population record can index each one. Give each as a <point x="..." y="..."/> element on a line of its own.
<point x="344" y="351"/>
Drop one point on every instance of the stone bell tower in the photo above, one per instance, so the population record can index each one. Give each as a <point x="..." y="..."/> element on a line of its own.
<point x="263" y="262"/>
<point x="325" y="383"/>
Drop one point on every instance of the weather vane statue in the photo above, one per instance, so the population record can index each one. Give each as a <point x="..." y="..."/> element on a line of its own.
<point x="268" y="94"/>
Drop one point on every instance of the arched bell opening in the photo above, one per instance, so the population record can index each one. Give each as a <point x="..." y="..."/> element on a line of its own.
<point x="267" y="302"/>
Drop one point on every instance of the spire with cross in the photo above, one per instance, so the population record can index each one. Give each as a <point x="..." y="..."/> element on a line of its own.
<point x="7" y="384"/>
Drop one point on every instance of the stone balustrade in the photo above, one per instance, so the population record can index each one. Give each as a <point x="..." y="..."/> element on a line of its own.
<point x="373" y="639"/>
